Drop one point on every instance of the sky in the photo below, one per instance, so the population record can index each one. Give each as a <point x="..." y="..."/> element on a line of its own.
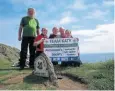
<point x="92" y="21"/>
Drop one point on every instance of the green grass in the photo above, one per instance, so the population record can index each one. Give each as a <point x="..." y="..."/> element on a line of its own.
<point x="19" y="86"/>
<point x="4" y="63"/>
<point x="99" y="76"/>
<point x="30" y="82"/>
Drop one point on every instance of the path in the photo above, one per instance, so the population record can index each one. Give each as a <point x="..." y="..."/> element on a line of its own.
<point x="64" y="84"/>
<point x="68" y="84"/>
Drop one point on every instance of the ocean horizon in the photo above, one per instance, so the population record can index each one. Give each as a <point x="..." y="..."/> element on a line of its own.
<point x="95" y="57"/>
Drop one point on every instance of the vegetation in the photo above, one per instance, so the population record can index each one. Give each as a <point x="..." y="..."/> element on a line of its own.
<point x="13" y="79"/>
<point x="99" y="76"/>
<point x="9" y="53"/>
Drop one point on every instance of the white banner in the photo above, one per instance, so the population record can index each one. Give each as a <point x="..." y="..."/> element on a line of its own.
<point x="60" y="49"/>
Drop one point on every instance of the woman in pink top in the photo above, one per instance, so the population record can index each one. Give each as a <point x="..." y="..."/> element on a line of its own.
<point x="68" y="34"/>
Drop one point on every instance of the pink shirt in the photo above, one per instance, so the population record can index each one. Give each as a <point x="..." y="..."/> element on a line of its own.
<point x="63" y="36"/>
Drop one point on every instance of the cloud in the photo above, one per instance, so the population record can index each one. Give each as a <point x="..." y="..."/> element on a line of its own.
<point x="67" y="20"/>
<point x="76" y="26"/>
<point x="78" y="5"/>
<point x="55" y="13"/>
<point x="93" y="6"/>
<point x="83" y="32"/>
<point x="96" y="14"/>
<point x="62" y="21"/>
<point x="66" y="13"/>
<point x="22" y="5"/>
<point x="108" y="3"/>
<point x="98" y="40"/>
<point x="52" y="8"/>
<point x="27" y="2"/>
<point x="48" y="7"/>
<point x="81" y="5"/>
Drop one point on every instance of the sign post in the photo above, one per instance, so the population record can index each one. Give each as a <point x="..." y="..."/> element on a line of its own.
<point x="41" y="68"/>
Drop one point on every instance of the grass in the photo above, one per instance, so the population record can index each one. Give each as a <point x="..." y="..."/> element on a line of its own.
<point x="4" y="63"/>
<point x="99" y="76"/>
<point x="29" y="82"/>
<point x="20" y="86"/>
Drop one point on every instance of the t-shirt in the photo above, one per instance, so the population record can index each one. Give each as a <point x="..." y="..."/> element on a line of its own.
<point x="60" y="36"/>
<point x="30" y="26"/>
<point x="68" y="36"/>
<point x="52" y="36"/>
<point x="40" y="47"/>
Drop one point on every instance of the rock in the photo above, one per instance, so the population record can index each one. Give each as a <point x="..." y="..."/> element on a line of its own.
<point x="44" y="67"/>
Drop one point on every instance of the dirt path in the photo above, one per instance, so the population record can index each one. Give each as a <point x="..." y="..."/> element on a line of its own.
<point x="15" y="79"/>
<point x="64" y="84"/>
<point x="68" y="84"/>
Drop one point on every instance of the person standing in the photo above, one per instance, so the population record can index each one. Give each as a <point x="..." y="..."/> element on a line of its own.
<point x="68" y="34"/>
<point x="62" y="32"/>
<point x="54" y="35"/>
<point x="55" y="32"/>
<point x="28" y="30"/>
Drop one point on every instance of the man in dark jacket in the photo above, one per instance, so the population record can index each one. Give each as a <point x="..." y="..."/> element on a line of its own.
<point x="55" y="31"/>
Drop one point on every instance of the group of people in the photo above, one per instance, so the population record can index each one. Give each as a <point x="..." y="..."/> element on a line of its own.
<point x="30" y="36"/>
<point x="57" y="33"/>
<point x="60" y="33"/>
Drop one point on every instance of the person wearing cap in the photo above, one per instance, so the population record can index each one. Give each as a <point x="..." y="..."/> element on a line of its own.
<point x="28" y="30"/>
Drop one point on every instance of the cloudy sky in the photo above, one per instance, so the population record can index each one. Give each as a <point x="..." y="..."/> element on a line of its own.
<point x="92" y="21"/>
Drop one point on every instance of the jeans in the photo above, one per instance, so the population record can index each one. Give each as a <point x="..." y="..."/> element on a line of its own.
<point x="27" y="42"/>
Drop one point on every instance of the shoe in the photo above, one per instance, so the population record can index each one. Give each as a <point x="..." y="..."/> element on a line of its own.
<point x="31" y="66"/>
<point x="59" y="77"/>
<point x="21" y="68"/>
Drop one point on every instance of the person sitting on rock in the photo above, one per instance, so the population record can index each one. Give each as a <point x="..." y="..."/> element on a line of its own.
<point x="39" y="43"/>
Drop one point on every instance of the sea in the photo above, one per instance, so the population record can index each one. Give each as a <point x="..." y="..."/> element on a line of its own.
<point x="96" y="57"/>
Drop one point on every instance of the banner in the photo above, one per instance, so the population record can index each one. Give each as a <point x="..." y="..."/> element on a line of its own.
<point x="61" y="49"/>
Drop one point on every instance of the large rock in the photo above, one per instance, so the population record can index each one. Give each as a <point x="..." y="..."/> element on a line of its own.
<point x="44" y="67"/>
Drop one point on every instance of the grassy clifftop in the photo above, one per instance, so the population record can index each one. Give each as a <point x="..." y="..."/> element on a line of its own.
<point x="9" y="53"/>
<point x="99" y="76"/>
